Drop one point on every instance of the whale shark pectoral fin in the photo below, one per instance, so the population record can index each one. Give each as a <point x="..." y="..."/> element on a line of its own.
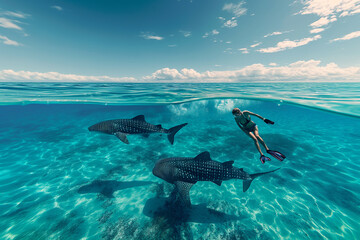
<point x="183" y="189"/>
<point x="139" y="118"/>
<point x="122" y="137"/>
<point x="217" y="182"/>
<point x="146" y="135"/>
<point x="228" y="164"/>
<point x="204" y="156"/>
<point x="246" y="185"/>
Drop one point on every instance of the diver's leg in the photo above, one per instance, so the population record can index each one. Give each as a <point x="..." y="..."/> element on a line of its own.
<point x="263" y="158"/>
<point x="255" y="142"/>
<point x="273" y="153"/>
<point x="256" y="133"/>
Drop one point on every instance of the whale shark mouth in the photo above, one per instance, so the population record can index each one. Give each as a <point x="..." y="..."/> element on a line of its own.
<point x="92" y="128"/>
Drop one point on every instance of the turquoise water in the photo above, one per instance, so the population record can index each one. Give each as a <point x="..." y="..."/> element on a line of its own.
<point x="60" y="181"/>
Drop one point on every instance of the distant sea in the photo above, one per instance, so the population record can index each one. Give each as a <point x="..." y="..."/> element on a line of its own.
<point x="337" y="97"/>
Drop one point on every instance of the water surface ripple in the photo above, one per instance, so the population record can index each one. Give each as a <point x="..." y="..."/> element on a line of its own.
<point x="337" y="97"/>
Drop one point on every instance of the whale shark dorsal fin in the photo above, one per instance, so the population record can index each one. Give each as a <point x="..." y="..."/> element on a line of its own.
<point x="228" y="164"/>
<point x="159" y="126"/>
<point x="122" y="137"/>
<point x="217" y="182"/>
<point x="139" y="118"/>
<point x="183" y="189"/>
<point x="204" y="156"/>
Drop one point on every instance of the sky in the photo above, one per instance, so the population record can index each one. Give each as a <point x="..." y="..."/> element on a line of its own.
<point x="179" y="40"/>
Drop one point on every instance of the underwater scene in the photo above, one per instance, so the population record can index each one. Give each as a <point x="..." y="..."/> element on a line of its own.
<point x="58" y="180"/>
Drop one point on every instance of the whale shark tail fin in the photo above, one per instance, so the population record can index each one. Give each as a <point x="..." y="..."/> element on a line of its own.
<point x="247" y="183"/>
<point x="172" y="131"/>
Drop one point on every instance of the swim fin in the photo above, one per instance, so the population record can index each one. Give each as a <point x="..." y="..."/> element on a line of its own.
<point x="279" y="156"/>
<point x="263" y="158"/>
<point x="267" y="121"/>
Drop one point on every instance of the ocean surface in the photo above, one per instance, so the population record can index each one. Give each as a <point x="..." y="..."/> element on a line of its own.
<point x="60" y="181"/>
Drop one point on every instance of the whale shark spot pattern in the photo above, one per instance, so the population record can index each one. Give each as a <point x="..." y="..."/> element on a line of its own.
<point x="185" y="172"/>
<point x="136" y="125"/>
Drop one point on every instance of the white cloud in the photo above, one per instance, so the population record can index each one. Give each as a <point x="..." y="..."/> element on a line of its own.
<point x="298" y="71"/>
<point x="8" y="23"/>
<point x="287" y="44"/>
<point x="323" y="22"/>
<point x="7" y="41"/>
<point x="171" y="74"/>
<point x="310" y="70"/>
<point x="236" y="9"/>
<point x="230" y="23"/>
<point x="215" y="32"/>
<point x="256" y="44"/>
<point x="348" y="36"/>
<point x="273" y="34"/>
<point x="9" y="20"/>
<point x="324" y="8"/>
<point x="186" y="33"/>
<point x="329" y="10"/>
<point x="276" y="33"/>
<point x="244" y="50"/>
<point x="151" y="37"/>
<point x="228" y="50"/>
<point x="190" y="73"/>
<point x="26" y="76"/>
<point x="317" y="30"/>
<point x="16" y="14"/>
<point x="165" y="74"/>
<point x="57" y="8"/>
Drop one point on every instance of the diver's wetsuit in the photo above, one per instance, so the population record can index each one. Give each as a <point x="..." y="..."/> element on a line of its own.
<point x="246" y="123"/>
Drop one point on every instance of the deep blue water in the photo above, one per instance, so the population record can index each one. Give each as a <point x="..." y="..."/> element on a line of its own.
<point x="60" y="181"/>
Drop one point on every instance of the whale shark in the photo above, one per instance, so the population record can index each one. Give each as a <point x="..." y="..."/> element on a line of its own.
<point x="137" y="125"/>
<point x="184" y="172"/>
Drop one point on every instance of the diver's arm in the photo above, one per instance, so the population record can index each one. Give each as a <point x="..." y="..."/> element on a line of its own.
<point x="262" y="118"/>
<point x="239" y="126"/>
<point x="254" y="114"/>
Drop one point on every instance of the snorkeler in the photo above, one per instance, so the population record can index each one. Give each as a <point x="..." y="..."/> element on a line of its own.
<point x="244" y="122"/>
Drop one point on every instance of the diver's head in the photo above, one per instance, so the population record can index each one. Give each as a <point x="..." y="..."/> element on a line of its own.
<point x="236" y="112"/>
